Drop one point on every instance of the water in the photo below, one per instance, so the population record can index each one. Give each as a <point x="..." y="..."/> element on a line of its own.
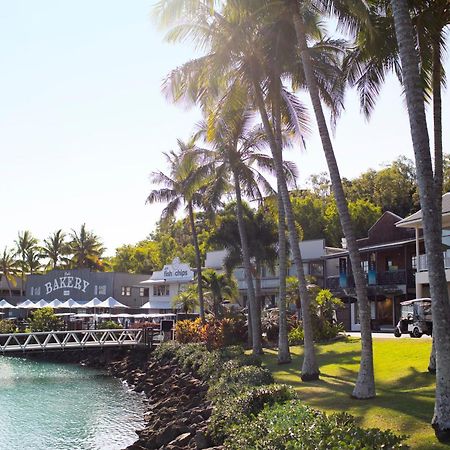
<point x="47" y="406"/>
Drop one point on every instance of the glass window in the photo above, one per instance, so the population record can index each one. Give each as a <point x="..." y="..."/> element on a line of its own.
<point x="102" y="290"/>
<point x="143" y="292"/>
<point x="126" y="291"/>
<point x="365" y="266"/>
<point x="161" y="291"/>
<point x="414" y="262"/>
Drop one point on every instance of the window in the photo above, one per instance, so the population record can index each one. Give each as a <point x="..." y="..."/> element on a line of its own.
<point x="102" y="290"/>
<point x="316" y="268"/>
<point x="144" y="292"/>
<point x="161" y="291"/>
<point x="126" y="291"/>
<point x="365" y="266"/>
<point x="414" y="262"/>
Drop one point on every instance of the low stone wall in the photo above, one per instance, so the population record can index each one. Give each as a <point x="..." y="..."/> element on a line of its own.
<point x="178" y="412"/>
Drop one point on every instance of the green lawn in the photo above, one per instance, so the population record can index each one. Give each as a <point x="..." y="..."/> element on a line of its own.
<point x="405" y="389"/>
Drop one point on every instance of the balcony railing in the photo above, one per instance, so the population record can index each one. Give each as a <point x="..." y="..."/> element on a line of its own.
<point x="422" y="263"/>
<point x="396" y="277"/>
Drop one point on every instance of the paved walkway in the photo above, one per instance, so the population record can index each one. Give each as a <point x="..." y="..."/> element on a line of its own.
<point x="384" y="335"/>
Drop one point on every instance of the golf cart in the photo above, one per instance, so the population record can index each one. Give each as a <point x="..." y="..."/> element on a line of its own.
<point x="415" y="318"/>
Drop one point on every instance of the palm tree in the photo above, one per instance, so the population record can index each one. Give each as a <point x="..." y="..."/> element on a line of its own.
<point x="187" y="176"/>
<point x="432" y="219"/>
<point x="55" y="249"/>
<point x="33" y="259"/>
<point x="25" y="243"/>
<point x="218" y="287"/>
<point x="186" y="300"/>
<point x="235" y="62"/>
<point x="86" y="249"/>
<point x="9" y="267"/>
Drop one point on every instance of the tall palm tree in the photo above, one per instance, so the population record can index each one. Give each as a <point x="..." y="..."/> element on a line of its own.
<point x="86" y="249"/>
<point x="235" y="59"/>
<point x="55" y="249"/>
<point x="182" y="186"/>
<point x="25" y="243"/>
<point x="365" y="384"/>
<point x="219" y="287"/>
<point x="432" y="218"/>
<point x="9" y="267"/>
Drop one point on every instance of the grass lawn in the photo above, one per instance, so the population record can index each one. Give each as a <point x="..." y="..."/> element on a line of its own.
<point x="405" y="389"/>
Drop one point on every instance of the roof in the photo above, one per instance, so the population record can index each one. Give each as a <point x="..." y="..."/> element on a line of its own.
<point x="415" y="220"/>
<point x="374" y="247"/>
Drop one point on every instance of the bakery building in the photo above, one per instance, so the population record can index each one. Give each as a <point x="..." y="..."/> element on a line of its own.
<point x="82" y="285"/>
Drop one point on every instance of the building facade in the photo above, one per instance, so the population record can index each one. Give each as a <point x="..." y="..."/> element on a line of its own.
<point x="388" y="257"/>
<point x="164" y="285"/>
<point x="82" y="285"/>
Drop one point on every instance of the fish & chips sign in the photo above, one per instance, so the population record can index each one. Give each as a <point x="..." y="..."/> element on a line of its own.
<point x="66" y="282"/>
<point x="177" y="271"/>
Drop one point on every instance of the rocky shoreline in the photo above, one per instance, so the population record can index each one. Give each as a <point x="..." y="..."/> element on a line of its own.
<point x="178" y="411"/>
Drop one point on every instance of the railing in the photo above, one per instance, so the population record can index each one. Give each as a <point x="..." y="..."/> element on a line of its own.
<point x="81" y="339"/>
<point x="422" y="263"/>
<point x="395" y="277"/>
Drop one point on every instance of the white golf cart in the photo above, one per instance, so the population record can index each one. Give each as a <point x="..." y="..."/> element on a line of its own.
<point x="415" y="318"/>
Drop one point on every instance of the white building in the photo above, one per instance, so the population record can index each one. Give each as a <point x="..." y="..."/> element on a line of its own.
<point x="164" y="285"/>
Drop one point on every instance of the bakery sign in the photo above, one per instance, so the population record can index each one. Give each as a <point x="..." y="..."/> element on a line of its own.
<point x="66" y="282"/>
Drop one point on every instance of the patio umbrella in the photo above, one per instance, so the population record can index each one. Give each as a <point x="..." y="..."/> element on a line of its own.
<point x="71" y="303"/>
<point x="27" y="304"/>
<point x="93" y="304"/>
<point x="41" y="304"/>
<point x="146" y="306"/>
<point x="55" y="304"/>
<point x="111" y="302"/>
<point x="5" y="305"/>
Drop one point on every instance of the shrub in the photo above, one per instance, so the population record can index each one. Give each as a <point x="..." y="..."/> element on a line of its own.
<point x="234" y="379"/>
<point x="109" y="325"/>
<point x="295" y="336"/>
<point x="236" y="409"/>
<point x="7" y="326"/>
<point x="214" y="333"/>
<point x="293" y="426"/>
<point x="44" y="319"/>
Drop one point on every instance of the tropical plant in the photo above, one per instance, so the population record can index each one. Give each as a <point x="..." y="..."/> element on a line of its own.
<point x="56" y="249"/>
<point x="86" y="249"/>
<point x="26" y="243"/>
<point x="217" y="288"/>
<point x="187" y="176"/>
<point x="432" y="219"/>
<point x="44" y="319"/>
<point x="186" y="300"/>
<point x="9" y="267"/>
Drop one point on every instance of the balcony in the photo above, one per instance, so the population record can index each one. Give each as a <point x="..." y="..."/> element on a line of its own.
<point x="422" y="263"/>
<point x="391" y="278"/>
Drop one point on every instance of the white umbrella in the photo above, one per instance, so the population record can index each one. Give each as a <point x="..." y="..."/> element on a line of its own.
<point x="94" y="303"/>
<point x="55" y="304"/>
<point x="27" y="304"/>
<point x="5" y="305"/>
<point x="111" y="302"/>
<point x="146" y="306"/>
<point x="41" y="303"/>
<point x="71" y="303"/>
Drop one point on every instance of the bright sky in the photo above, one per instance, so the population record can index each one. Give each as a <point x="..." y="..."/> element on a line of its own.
<point x="83" y="121"/>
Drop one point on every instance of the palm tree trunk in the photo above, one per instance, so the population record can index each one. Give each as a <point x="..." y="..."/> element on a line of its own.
<point x="432" y="215"/>
<point x="198" y="262"/>
<point x="365" y="383"/>
<point x="437" y="115"/>
<point x="252" y="305"/>
<point x="310" y="369"/>
<point x="284" y="355"/>
<point x="258" y="290"/>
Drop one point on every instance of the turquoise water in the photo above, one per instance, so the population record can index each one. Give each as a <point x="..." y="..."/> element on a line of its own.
<point x="47" y="406"/>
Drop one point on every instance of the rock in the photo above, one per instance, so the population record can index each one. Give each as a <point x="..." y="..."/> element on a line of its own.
<point x="182" y="439"/>
<point x="201" y="440"/>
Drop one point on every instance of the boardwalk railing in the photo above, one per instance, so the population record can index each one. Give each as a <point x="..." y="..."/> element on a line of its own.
<point x="80" y="339"/>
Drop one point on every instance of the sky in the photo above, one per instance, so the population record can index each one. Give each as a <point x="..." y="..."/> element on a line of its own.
<point x="83" y="121"/>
